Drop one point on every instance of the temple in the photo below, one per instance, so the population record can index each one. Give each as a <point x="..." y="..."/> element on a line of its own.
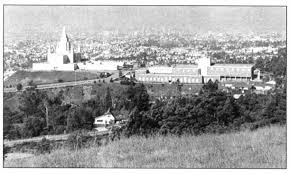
<point x="62" y="59"/>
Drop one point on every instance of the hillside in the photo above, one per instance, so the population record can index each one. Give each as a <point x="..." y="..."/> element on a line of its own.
<point x="263" y="148"/>
<point x="44" y="77"/>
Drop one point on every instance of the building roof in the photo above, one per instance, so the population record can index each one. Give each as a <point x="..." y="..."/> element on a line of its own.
<point x="235" y="65"/>
<point x="185" y="66"/>
<point x="108" y="113"/>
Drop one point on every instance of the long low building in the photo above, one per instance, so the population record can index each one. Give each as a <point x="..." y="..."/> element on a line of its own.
<point x="167" y="78"/>
<point x="201" y="73"/>
<point x="231" y="71"/>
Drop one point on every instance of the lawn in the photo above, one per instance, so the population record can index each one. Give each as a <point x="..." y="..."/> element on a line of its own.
<point x="263" y="148"/>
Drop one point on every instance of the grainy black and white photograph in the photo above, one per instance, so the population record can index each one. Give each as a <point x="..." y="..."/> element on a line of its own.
<point x="152" y="86"/>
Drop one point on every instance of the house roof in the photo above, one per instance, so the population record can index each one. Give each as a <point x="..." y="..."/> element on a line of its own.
<point x="108" y="113"/>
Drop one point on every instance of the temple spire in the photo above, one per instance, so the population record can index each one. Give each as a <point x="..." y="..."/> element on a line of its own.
<point x="49" y="51"/>
<point x="63" y="35"/>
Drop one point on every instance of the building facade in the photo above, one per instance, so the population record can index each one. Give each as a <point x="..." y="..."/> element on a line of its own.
<point x="200" y="73"/>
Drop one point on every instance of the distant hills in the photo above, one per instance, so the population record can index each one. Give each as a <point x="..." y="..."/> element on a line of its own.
<point x="48" y="20"/>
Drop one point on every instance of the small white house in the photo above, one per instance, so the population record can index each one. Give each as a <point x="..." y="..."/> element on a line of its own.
<point x="104" y="120"/>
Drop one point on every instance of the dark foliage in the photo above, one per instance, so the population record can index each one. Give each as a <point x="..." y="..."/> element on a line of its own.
<point x="44" y="146"/>
<point x="78" y="140"/>
<point x="210" y="112"/>
<point x="19" y="87"/>
<point x="34" y="126"/>
<point x="108" y="99"/>
<point x="6" y="150"/>
<point x="80" y="118"/>
<point x="210" y="86"/>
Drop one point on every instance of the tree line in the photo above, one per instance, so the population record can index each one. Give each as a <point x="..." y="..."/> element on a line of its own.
<point x="212" y="111"/>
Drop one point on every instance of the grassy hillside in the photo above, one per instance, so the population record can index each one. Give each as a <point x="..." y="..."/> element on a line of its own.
<point x="43" y="77"/>
<point x="264" y="148"/>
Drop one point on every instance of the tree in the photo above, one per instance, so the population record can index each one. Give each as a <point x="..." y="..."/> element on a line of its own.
<point x="19" y="87"/>
<point x="141" y="98"/>
<point x="229" y="112"/>
<point x="108" y="99"/>
<point x="31" y="83"/>
<point x="210" y="86"/>
<point x="7" y="123"/>
<point x="30" y="102"/>
<point x="179" y="86"/>
<point x="34" y="126"/>
<point x="73" y="120"/>
<point x="140" y="123"/>
<point x="80" y="118"/>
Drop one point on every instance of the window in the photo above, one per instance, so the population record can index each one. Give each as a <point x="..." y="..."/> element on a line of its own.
<point x="99" y="120"/>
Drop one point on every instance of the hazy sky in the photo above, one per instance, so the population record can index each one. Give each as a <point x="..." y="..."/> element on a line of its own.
<point x="49" y="19"/>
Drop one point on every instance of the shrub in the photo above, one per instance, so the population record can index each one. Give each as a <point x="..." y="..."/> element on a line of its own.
<point x="44" y="146"/>
<point x="33" y="126"/>
<point x="19" y="87"/>
<point x="15" y="132"/>
<point x="116" y="133"/>
<point x="78" y="140"/>
<point x="60" y="129"/>
<point x="60" y="80"/>
<point x="6" y="150"/>
<point x="30" y="83"/>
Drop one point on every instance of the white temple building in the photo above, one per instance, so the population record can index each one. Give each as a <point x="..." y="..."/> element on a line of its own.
<point x="62" y="59"/>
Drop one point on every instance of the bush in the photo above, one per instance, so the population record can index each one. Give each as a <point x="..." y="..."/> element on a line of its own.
<point x="78" y="139"/>
<point x="33" y="126"/>
<point x="60" y="80"/>
<point x="44" y="146"/>
<point x="60" y="129"/>
<point x="19" y="87"/>
<point x="116" y="133"/>
<point x="15" y="133"/>
<point x="31" y="83"/>
<point x="6" y="150"/>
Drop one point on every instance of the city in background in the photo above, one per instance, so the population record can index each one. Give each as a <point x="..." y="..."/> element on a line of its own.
<point x="113" y="72"/>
